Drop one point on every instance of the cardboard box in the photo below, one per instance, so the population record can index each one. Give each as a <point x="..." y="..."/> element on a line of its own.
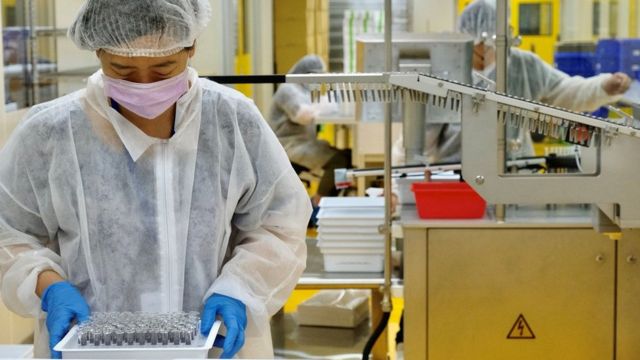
<point x="301" y="27"/>
<point x="335" y="308"/>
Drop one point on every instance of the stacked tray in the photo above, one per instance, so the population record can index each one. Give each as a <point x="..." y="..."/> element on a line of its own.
<point x="348" y="234"/>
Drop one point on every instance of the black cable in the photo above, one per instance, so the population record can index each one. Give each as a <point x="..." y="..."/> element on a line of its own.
<point x="249" y="79"/>
<point x="376" y="334"/>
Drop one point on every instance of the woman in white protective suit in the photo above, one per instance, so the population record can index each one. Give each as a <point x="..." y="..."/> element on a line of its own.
<point x="150" y="190"/>
<point x="292" y="117"/>
<point x="528" y="77"/>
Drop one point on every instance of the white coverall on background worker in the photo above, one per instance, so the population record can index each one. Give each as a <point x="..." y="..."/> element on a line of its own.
<point x="528" y="76"/>
<point x="150" y="190"/>
<point x="292" y="117"/>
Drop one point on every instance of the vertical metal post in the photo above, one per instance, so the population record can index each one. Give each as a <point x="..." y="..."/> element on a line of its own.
<point x="502" y="50"/>
<point x="388" y="139"/>
<point x="32" y="83"/>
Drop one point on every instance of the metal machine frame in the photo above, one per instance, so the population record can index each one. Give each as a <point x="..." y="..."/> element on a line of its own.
<point x="484" y="116"/>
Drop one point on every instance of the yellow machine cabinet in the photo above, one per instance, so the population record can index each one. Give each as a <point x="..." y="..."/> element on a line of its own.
<point x="537" y="22"/>
<point x="481" y="290"/>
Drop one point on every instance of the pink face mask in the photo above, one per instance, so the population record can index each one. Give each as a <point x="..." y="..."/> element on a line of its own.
<point x="147" y="100"/>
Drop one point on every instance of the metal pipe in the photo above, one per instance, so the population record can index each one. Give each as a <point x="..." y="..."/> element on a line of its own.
<point x="386" y="290"/>
<point x="32" y="62"/>
<point x="502" y="52"/>
<point x="388" y="139"/>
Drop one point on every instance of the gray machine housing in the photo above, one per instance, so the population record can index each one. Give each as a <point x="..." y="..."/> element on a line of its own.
<point x="445" y="55"/>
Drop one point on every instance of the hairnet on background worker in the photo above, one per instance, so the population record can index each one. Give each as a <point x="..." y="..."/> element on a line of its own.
<point x="292" y="118"/>
<point x="528" y="77"/>
<point x="204" y="214"/>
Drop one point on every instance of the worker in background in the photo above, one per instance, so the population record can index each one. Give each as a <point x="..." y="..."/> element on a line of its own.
<point x="292" y="118"/>
<point x="150" y="190"/>
<point x="528" y="76"/>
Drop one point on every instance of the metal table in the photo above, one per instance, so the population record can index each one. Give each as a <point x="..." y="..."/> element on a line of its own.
<point x="315" y="278"/>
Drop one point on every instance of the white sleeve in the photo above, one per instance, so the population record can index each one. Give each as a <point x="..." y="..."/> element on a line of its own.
<point x="581" y="94"/>
<point x="268" y="245"/>
<point x="305" y="115"/>
<point x="23" y="234"/>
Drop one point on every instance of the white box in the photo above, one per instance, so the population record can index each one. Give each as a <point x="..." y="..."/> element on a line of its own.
<point x="335" y="308"/>
<point x="198" y="349"/>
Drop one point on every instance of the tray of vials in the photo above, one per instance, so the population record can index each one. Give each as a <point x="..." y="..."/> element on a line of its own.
<point x="138" y="336"/>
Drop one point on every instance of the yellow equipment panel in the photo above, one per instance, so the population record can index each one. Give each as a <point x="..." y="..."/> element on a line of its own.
<point x="522" y="292"/>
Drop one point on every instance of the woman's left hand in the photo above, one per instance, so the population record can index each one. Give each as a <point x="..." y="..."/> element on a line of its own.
<point x="234" y="316"/>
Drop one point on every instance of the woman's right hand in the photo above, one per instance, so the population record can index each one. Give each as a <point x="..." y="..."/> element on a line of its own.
<point x="63" y="304"/>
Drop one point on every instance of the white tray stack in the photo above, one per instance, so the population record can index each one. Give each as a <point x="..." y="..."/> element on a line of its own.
<point x="348" y="235"/>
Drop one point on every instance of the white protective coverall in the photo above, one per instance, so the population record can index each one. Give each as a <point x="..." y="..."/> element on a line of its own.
<point x="143" y="224"/>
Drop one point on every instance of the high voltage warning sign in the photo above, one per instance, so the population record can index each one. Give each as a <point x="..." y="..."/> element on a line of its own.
<point x="521" y="330"/>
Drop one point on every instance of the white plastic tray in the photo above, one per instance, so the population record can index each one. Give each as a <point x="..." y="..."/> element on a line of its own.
<point x="353" y="263"/>
<point x="328" y="229"/>
<point x="346" y="213"/>
<point x="198" y="349"/>
<point x="352" y="251"/>
<point x="355" y="245"/>
<point x="352" y="202"/>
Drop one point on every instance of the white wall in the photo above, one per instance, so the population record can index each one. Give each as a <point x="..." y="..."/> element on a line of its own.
<point x="215" y="47"/>
<point x="261" y="49"/>
<point x="433" y="15"/>
<point x="576" y="22"/>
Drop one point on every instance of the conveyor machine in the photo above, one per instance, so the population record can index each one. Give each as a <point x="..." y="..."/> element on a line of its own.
<point x="615" y="145"/>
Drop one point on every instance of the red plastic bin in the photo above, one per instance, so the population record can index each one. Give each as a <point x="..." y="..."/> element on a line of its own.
<point x="447" y="200"/>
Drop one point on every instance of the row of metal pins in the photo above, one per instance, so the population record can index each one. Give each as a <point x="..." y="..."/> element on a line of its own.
<point x="382" y="93"/>
<point x="357" y="92"/>
<point x="547" y="125"/>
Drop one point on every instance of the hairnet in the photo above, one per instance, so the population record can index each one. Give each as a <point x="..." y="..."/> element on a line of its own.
<point x="478" y="18"/>
<point x="151" y="28"/>
<point x="307" y="65"/>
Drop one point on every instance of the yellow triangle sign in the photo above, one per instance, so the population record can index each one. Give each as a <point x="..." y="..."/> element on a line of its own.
<point x="521" y="330"/>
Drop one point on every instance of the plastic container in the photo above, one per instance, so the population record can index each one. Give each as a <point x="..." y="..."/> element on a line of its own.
<point x="630" y="49"/>
<point x="608" y="48"/>
<point x="607" y="65"/>
<point x="198" y="349"/>
<point x="447" y="200"/>
<point x="576" y="63"/>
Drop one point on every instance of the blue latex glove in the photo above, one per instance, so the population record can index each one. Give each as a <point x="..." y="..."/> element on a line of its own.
<point x="63" y="303"/>
<point x="234" y="317"/>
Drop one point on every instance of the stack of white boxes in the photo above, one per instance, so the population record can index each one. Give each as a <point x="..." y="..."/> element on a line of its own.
<point x="348" y="234"/>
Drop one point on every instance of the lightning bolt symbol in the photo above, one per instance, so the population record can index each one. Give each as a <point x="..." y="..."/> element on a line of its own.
<point x="520" y="327"/>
